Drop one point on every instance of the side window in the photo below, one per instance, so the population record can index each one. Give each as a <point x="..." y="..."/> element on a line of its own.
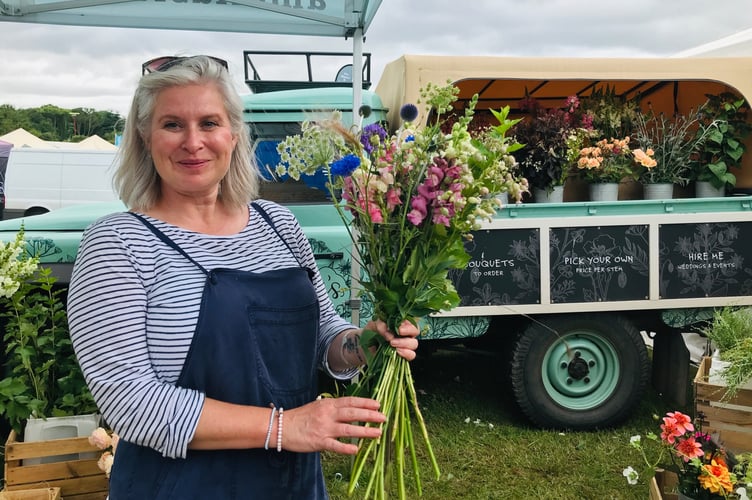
<point x="284" y="190"/>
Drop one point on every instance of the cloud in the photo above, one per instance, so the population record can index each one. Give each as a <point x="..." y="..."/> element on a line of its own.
<point x="71" y="66"/>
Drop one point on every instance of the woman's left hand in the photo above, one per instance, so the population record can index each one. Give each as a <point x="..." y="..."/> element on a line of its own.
<point x="405" y="344"/>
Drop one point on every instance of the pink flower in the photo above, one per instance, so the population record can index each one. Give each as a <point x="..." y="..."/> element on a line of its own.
<point x="100" y="438"/>
<point x="671" y="430"/>
<point x="420" y="204"/>
<point x="415" y="217"/>
<point x="688" y="449"/>
<point x="374" y="212"/>
<point x="683" y="422"/>
<point x="439" y="218"/>
<point x="105" y="462"/>
<point x="393" y="199"/>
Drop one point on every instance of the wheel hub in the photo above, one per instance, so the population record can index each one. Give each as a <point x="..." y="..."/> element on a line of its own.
<point x="578" y="368"/>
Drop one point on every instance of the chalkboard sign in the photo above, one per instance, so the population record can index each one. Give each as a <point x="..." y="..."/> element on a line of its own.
<point x="705" y="260"/>
<point x="594" y="264"/>
<point x="504" y="268"/>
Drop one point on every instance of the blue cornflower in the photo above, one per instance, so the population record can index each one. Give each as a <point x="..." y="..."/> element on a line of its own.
<point x="345" y="165"/>
<point x="410" y="138"/>
<point x="409" y="112"/>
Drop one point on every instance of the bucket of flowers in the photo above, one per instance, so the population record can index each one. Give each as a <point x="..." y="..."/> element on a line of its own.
<point x="606" y="161"/>
<point x="546" y="134"/>
<point x="672" y="143"/>
<point x="409" y="201"/>
<point x="705" y="470"/>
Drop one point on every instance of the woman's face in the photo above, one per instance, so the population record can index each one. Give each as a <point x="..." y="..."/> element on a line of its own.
<point x="191" y="141"/>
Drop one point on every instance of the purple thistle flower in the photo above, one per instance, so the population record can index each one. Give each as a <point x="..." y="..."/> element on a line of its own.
<point x="409" y="112"/>
<point x="345" y="165"/>
<point x="374" y="129"/>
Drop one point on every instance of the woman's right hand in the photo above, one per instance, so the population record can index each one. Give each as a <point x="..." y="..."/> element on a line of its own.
<point x="319" y="425"/>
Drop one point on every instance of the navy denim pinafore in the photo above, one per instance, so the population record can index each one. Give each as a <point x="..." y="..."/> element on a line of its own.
<point x="254" y="344"/>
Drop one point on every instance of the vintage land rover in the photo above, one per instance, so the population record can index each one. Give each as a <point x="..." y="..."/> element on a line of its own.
<point x="576" y="355"/>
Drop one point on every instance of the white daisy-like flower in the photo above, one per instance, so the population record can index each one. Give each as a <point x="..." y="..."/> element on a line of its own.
<point x="631" y="475"/>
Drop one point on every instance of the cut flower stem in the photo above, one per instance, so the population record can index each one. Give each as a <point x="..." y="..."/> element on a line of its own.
<point x="394" y="389"/>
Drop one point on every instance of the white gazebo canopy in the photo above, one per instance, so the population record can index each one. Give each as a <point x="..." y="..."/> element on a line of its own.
<point x="337" y="18"/>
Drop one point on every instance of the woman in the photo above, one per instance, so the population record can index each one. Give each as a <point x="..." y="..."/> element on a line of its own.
<point x="199" y="317"/>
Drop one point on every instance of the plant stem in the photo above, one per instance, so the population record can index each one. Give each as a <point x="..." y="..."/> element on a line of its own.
<point x="394" y="389"/>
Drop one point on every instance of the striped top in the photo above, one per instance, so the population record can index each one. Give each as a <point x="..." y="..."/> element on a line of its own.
<point x="133" y="305"/>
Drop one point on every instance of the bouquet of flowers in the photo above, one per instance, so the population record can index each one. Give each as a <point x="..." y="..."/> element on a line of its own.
<point x="608" y="160"/>
<point x="672" y="143"/>
<point x="409" y="201"/>
<point x="704" y="469"/>
<point x="106" y="441"/>
<point x="546" y="135"/>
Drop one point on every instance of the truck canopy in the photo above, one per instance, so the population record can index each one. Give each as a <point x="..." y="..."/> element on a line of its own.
<point x="665" y="85"/>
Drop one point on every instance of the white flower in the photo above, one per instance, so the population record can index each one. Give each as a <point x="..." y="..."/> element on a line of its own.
<point x="635" y="439"/>
<point x="631" y="475"/>
<point x="467" y="420"/>
<point x="742" y="492"/>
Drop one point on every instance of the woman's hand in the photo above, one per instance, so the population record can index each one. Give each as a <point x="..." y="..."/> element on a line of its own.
<point x="405" y="344"/>
<point x="319" y="425"/>
<point x="350" y="354"/>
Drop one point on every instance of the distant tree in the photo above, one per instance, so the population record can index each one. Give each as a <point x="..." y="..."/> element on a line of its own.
<point x="11" y="119"/>
<point x="53" y="123"/>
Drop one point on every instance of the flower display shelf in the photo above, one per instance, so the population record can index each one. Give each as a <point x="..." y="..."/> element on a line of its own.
<point x="662" y="482"/>
<point x="77" y="479"/>
<point x="730" y="421"/>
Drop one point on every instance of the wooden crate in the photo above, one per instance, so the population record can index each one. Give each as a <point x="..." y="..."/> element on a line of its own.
<point x="77" y="479"/>
<point x="662" y="482"/>
<point x="729" y="421"/>
<point x="36" y="494"/>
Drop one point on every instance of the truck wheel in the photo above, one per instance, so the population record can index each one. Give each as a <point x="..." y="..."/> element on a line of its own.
<point x="579" y="372"/>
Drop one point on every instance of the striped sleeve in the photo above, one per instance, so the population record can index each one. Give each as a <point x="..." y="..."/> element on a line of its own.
<point x="107" y="313"/>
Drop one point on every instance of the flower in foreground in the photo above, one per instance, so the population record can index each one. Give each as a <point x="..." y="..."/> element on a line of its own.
<point x="715" y="478"/>
<point x="701" y="464"/>
<point x="107" y="441"/>
<point x="100" y="438"/>
<point x="631" y="475"/>
<point x="689" y="448"/>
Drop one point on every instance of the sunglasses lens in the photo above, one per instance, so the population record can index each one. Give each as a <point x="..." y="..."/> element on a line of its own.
<point x="165" y="62"/>
<point x="158" y="64"/>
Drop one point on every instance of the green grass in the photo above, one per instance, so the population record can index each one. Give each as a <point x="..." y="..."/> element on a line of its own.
<point x="487" y="450"/>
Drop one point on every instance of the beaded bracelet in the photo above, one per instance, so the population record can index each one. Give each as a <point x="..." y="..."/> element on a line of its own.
<point x="279" y="430"/>
<point x="269" y="430"/>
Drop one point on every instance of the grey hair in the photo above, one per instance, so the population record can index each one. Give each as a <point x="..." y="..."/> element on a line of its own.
<point x="136" y="180"/>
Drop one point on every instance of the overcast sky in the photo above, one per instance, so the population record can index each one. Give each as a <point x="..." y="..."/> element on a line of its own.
<point x="98" y="67"/>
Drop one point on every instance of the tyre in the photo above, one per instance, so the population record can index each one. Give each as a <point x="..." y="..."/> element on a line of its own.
<point x="579" y="372"/>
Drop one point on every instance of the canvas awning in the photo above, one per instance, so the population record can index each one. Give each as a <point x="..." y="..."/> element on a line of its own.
<point x="501" y="81"/>
<point x="22" y="138"/>
<point x="337" y="18"/>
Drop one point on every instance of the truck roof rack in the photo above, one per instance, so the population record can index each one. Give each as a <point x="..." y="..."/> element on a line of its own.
<point x="339" y="64"/>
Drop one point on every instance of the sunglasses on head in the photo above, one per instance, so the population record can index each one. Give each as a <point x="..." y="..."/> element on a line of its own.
<point x="164" y="63"/>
